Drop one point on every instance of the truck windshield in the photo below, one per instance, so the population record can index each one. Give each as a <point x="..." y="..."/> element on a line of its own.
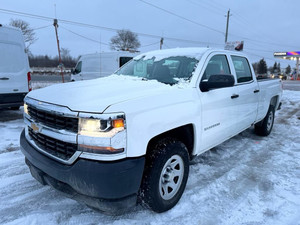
<point x="168" y="70"/>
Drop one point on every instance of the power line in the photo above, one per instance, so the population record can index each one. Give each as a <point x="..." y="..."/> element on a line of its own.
<point x="181" y="17"/>
<point x="80" y="35"/>
<point x="216" y="6"/>
<point x="155" y="43"/>
<point x="101" y="27"/>
<point x="247" y="22"/>
<point x="114" y="29"/>
<point x="38" y="28"/>
<point x="213" y="10"/>
<point x="99" y="42"/>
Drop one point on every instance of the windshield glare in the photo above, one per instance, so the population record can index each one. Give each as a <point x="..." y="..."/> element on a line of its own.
<point x="167" y="70"/>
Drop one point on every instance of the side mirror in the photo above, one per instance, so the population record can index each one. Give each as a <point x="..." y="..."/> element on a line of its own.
<point x="72" y="71"/>
<point x="217" y="81"/>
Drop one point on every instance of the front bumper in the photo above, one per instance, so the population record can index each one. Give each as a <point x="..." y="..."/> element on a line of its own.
<point x="108" y="186"/>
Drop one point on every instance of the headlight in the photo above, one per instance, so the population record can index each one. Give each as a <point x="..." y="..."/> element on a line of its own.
<point x="101" y="134"/>
<point x="25" y="108"/>
<point x="100" y="127"/>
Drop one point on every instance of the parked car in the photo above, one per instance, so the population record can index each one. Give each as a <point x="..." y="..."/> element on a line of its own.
<point x="97" y="65"/>
<point x="280" y="76"/>
<point x="15" y="79"/>
<point x="113" y="140"/>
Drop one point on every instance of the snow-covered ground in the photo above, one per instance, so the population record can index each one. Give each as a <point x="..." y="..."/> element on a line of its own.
<point x="42" y="84"/>
<point x="246" y="180"/>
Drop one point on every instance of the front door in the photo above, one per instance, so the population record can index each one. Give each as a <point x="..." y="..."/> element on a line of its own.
<point x="219" y="109"/>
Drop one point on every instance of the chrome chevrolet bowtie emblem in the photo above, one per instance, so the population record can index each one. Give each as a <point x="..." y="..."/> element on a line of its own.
<point x="35" y="127"/>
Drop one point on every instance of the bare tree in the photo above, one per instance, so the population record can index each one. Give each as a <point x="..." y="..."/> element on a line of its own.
<point x="125" y="40"/>
<point x="65" y="53"/>
<point x="28" y="33"/>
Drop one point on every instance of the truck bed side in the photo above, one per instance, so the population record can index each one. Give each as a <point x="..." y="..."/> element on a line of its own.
<point x="268" y="89"/>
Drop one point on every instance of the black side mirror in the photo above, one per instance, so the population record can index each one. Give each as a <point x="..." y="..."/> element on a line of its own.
<point x="217" y="81"/>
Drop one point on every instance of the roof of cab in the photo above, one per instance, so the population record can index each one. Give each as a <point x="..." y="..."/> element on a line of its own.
<point x="196" y="52"/>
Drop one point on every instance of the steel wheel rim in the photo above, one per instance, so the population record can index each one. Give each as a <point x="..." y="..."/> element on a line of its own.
<point x="270" y="121"/>
<point x="171" y="177"/>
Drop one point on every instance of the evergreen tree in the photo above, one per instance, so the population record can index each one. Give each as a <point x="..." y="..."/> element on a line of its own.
<point x="288" y="69"/>
<point x="262" y="67"/>
<point x="278" y="68"/>
<point x="255" y="65"/>
<point x="274" y="69"/>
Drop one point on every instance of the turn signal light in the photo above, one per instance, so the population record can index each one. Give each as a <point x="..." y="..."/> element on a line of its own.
<point x="100" y="150"/>
<point x="118" y="123"/>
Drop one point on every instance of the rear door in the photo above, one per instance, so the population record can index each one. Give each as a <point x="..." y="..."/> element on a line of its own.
<point x="248" y="92"/>
<point x="219" y="108"/>
<point x="13" y="68"/>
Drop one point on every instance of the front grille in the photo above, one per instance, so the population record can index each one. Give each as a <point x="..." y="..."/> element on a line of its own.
<point x="53" y="120"/>
<point x="60" y="149"/>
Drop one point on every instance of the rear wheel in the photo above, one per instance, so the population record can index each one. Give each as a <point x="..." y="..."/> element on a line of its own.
<point x="264" y="127"/>
<point x="166" y="173"/>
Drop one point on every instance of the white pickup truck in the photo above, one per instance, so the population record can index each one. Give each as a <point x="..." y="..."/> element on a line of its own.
<point x="127" y="138"/>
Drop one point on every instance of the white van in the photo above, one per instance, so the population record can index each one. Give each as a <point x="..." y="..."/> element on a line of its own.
<point x="15" y="78"/>
<point x="97" y="65"/>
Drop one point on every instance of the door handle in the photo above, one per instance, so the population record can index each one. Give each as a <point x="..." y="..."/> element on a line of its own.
<point x="234" y="96"/>
<point x="4" y="78"/>
<point x="256" y="91"/>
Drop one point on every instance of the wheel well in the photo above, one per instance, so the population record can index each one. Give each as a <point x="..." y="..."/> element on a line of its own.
<point x="184" y="133"/>
<point x="274" y="101"/>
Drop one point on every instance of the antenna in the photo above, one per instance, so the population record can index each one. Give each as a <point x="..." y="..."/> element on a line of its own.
<point x="55" y="11"/>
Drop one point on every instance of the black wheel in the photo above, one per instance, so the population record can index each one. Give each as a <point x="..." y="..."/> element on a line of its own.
<point x="165" y="176"/>
<point x="264" y="127"/>
<point x="15" y="108"/>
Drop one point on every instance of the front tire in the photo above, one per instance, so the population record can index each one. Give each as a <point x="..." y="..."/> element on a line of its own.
<point x="166" y="174"/>
<point x="264" y="127"/>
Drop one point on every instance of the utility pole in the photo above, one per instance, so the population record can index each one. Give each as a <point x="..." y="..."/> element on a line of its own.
<point x="297" y="69"/>
<point x="59" y="56"/>
<point x="161" y="43"/>
<point x="227" y="25"/>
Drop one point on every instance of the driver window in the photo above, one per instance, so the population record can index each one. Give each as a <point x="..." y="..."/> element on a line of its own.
<point x="218" y="64"/>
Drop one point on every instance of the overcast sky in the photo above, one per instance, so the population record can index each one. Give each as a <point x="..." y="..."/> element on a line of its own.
<point x="264" y="26"/>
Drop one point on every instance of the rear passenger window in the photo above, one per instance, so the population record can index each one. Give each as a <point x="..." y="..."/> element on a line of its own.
<point x="242" y="69"/>
<point x="218" y="64"/>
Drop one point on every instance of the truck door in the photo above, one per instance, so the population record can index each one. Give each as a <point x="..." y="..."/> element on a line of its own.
<point x="219" y="109"/>
<point x="248" y="92"/>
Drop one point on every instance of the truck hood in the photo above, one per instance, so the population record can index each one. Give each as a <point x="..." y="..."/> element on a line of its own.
<point x="97" y="95"/>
